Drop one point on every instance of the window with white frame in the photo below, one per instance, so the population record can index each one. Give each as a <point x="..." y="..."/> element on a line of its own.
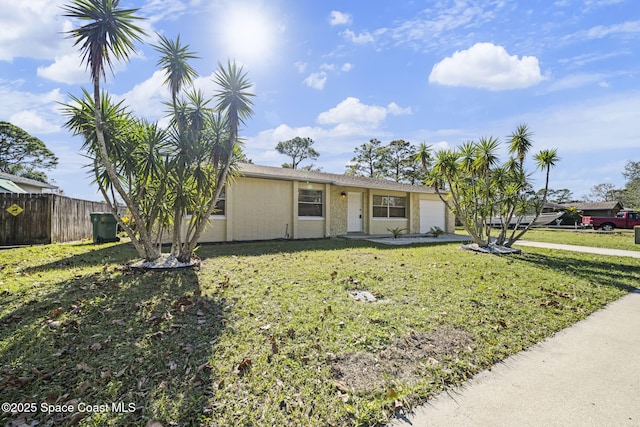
<point x="310" y="203"/>
<point x="389" y="207"/>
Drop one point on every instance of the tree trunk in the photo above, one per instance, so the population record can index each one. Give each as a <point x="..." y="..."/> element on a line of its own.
<point x="538" y="211"/>
<point x="149" y="252"/>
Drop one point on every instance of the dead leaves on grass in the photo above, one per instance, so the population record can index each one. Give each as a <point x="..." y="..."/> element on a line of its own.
<point x="554" y="303"/>
<point x="401" y="361"/>
<point x="243" y="367"/>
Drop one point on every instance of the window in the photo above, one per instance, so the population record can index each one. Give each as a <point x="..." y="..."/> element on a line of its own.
<point x="389" y="207"/>
<point x="310" y="203"/>
<point x="221" y="204"/>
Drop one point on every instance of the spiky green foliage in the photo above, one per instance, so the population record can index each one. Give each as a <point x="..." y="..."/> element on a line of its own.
<point x="483" y="192"/>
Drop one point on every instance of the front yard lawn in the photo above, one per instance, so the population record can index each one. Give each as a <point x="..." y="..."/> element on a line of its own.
<point x="269" y="334"/>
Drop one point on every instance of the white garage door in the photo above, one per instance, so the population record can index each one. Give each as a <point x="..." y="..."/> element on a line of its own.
<point x="432" y="214"/>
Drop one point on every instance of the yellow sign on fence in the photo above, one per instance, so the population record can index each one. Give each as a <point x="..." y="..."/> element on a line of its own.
<point x="15" y="210"/>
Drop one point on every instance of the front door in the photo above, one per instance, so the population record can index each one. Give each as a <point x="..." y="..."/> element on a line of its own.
<point x="354" y="212"/>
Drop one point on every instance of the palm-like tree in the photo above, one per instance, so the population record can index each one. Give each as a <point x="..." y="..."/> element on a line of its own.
<point x="449" y="167"/>
<point x="110" y="33"/>
<point x="234" y="101"/>
<point x="423" y="155"/>
<point x="233" y="96"/>
<point x="175" y="63"/>
<point x="545" y="160"/>
<point x="485" y="160"/>
<point x="520" y="143"/>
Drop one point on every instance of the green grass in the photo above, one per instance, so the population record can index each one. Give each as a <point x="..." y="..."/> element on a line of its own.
<point x="617" y="239"/>
<point x="254" y="337"/>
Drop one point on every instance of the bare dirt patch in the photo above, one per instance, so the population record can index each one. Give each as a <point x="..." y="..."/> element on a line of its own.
<point x="399" y="362"/>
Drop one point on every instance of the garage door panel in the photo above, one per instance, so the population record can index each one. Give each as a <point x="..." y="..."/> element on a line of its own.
<point x="432" y="214"/>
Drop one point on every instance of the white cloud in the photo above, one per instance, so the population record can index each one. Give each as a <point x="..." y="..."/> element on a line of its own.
<point x="580" y="60"/>
<point x="339" y="18"/>
<point x="601" y="31"/>
<point x="316" y="80"/>
<point x="31" y="29"/>
<point x="146" y="98"/>
<point x="351" y="110"/>
<point x="487" y="66"/>
<point x="395" y="110"/>
<point x="445" y="23"/>
<point x="34" y="123"/>
<point x="352" y="117"/>
<point x="340" y="129"/>
<point x="327" y="67"/>
<point x="362" y="38"/>
<point x="66" y="69"/>
<point x="347" y="66"/>
<point x="35" y="112"/>
<point x="591" y="5"/>
<point x="158" y="10"/>
<point x="575" y="81"/>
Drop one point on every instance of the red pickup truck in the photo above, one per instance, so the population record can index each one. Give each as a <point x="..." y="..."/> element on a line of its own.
<point x="623" y="219"/>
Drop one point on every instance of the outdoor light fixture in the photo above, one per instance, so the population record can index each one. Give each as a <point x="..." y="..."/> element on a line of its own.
<point x="343" y="194"/>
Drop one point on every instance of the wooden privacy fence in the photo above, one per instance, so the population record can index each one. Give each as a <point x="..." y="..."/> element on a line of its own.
<point x="27" y="219"/>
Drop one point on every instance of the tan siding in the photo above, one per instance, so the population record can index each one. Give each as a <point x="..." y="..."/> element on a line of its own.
<point x="382" y="225"/>
<point x="215" y="231"/>
<point x="310" y="228"/>
<point x="262" y="209"/>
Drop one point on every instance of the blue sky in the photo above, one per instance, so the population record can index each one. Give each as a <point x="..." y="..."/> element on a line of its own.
<point x="343" y="72"/>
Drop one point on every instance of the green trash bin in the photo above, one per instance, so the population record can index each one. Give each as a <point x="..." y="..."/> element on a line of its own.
<point x="105" y="227"/>
<point x="636" y="231"/>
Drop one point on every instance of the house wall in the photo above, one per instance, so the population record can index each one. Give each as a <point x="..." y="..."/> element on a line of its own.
<point x="265" y="209"/>
<point x="30" y="188"/>
<point x="215" y="231"/>
<point x="262" y="209"/>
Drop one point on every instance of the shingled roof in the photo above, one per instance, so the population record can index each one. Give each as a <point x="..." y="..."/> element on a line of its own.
<point x="20" y="180"/>
<point x="595" y="206"/>
<point x="286" y="174"/>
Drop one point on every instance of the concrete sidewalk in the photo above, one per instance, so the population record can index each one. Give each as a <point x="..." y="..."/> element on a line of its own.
<point x="585" y="249"/>
<point x="585" y="375"/>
